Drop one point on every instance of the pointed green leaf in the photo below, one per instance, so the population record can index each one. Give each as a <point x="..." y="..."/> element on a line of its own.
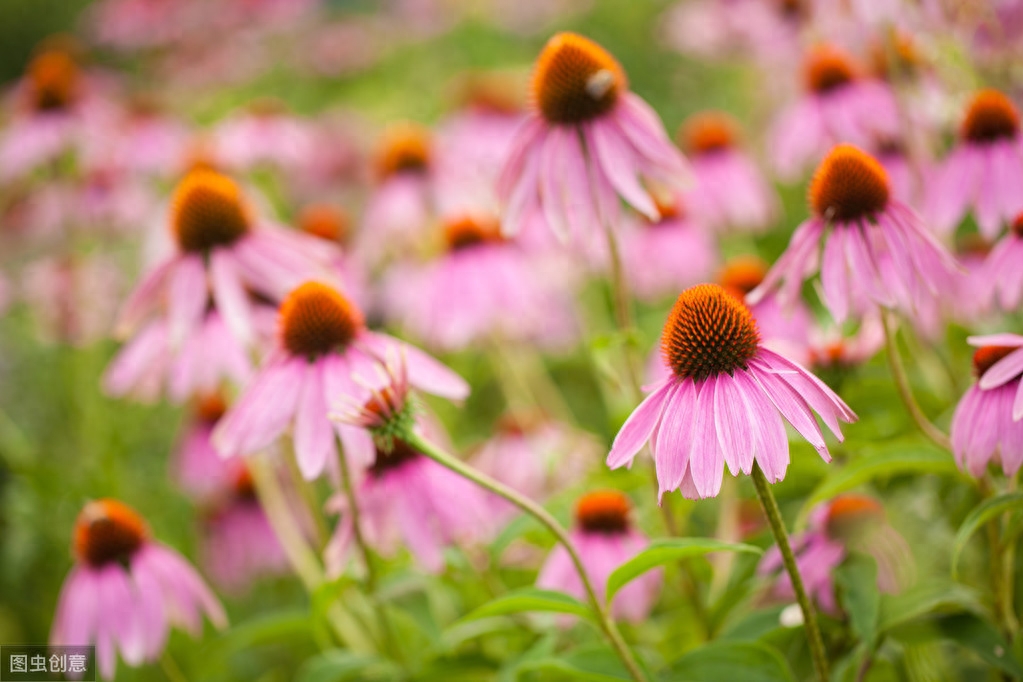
<point x="857" y="577"/>
<point x="668" y="550"/>
<point x="717" y="661"/>
<point x="987" y="510"/>
<point x="531" y="599"/>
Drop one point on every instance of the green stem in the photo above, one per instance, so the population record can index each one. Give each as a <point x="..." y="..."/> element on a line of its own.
<point x="623" y="311"/>
<point x="607" y="624"/>
<point x="367" y="558"/>
<point x="171" y="669"/>
<point x="813" y="633"/>
<point x="936" y="435"/>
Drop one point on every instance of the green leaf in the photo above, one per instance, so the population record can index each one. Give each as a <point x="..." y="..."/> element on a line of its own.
<point x="531" y="599"/>
<point x="717" y="661"/>
<point x="923" y="600"/>
<point x="340" y="666"/>
<point x="665" y="551"/>
<point x="982" y="638"/>
<point x="595" y="664"/>
<point x="985" y="511"/>
<point x="857" y="577"/>
<point x="896" y="458"/>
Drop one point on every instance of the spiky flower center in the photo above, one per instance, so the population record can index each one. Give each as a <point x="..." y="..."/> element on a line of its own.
<point x="210" y="408"/>
<point x="743" y="274"/>
<point x="325" y="221"/>
<point x="388" y="459"/>
<point x="849" y="515"/>
<point x="708" y="132"/>
<point x="708" y="332"/>
<point x="849" y="185"/>
<point x="107" y="531"/>
<point x="990" y="117"/>
<point x="469" y="231"/>
<point x="827" y="69"/>
<point x="316" y="319"/>
<point x="403" y="148"/>
<point x="208" y="211"/>
<point x="53" y="79"/>
<point x="986" y="356"/>
<point x="603" y="511"/>
<point x="576" y="80"/>
<point x="244" y="486"/>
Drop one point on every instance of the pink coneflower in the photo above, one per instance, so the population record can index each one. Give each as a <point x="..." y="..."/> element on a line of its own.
<point x="323" y="346"/>
<point x="723" y="401"/>
<point x="407" y="499"/>
<point x="877" y="252"/>
<point x="988" y="421"/>
<point x="830" y="349"/>
<point x="265" y="134"/>
<point x="660" y="257"/>
<point x="400" y="206"/>
<point x="238" y="544"/>
<point x="1001" y="272"/>
<point x="769" y="29"/>
<point x="209" y="356"/>
<point x="484" y="287"/>
<point x="586" y="142"/>
<point x="223" y="248"/>
<point x="57" y="109"/>
<point x="197" y="467"/>
<point x="605" y="539"/>
<point x="848" y="522"/>
<point x="840" y="104"/>
<point x="149" y="140"/>
<point x="984" y="171"/>
<point x="729" y="191"/>
<point x="333" y="225"/>
<point x="126" y="590"/>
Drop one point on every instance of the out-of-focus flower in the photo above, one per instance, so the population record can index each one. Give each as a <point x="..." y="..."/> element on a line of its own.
<point x="56" y="109"/>
<point x="73" y="299"/>
<point x="321" y="347"/>
<point x="723" y="401"/>
<point x="974" y="296"/>
<point x="264" y="134"/>
<point x="222" y="249"/>
<point x="848" y="522"/>
<point x="768" y="29"/>
<point x="985" y="169"/>
<point x="238" y="543"/>
<point x="587" y="141"/>
<point x="482" y="287"/>
<point x="878" y="254"/>
<point x="401" y="205"/>
<point x="988" y="421"/>
<point x="333" y="225"/>
<point x="729" y="191"/>
<point x="605" y="538"/>
<point x="197" y="467"/>
<point x="830" y="349"/>
<point x="1002" y="272"/>
<point x="148" y="140"/>
<point x="663" y="256"/>
<point x="126" y="590"/>
<point x="840" y="104"/>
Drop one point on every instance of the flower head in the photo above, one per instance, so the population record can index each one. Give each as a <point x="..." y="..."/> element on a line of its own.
<point x="576" y="80"/>
<point x="722" y="400"/>
<point x="126" y="590"/>
<point x="53" y="79"/>
<point x="207" y="211"/>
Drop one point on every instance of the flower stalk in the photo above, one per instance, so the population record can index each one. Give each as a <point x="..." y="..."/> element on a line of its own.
<point x="813" y="633"/>
<point x="605" y="621"/>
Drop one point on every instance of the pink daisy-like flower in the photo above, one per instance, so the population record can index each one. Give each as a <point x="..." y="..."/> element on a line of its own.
<point x="401" y="204"/>
<point x="830" y="349"/>
<point x="322" y="347"/>
<point x="729" y="191"/>
<point x="984" y="171"/>
<point x="587" y="142"/>
<point x="197" y="467"/>
<point x="847" y="522"/>
<point x="149" y="141"/>
<point x="223" y="249"/>
<point x="840" y="104"/>
<point x="333" y="225"/>
<point x="407" y="499"/>
<point x="483" y="287"/>
<point x="768" y="29"/>
<point x="1003" y="278"/>
<point x="877" y="252"/>
<point x="605" y="539"/>
<point x="126" y="590"/>
<point x="723" y="401"/>
<point x="206" y="358"/>
<point x="987" y="424"/>
<point x="239" y="545"/>
<point x="660" y="257"/>
<point x="264" y="134"/>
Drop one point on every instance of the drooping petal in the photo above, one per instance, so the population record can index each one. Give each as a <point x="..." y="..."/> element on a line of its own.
<point x="314" y="435"/>
<point x="637" y="429"/>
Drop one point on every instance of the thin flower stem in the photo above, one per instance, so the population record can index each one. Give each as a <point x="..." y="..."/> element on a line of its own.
<point x="171" y="669"/>
<point x="933" y="433"/>
<point x="623" y="311"/>
<point x="607" y="624"/>
<point x="367" y="558"/>
<point x="302" y="559"/>
<point x="813" y="633"/>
